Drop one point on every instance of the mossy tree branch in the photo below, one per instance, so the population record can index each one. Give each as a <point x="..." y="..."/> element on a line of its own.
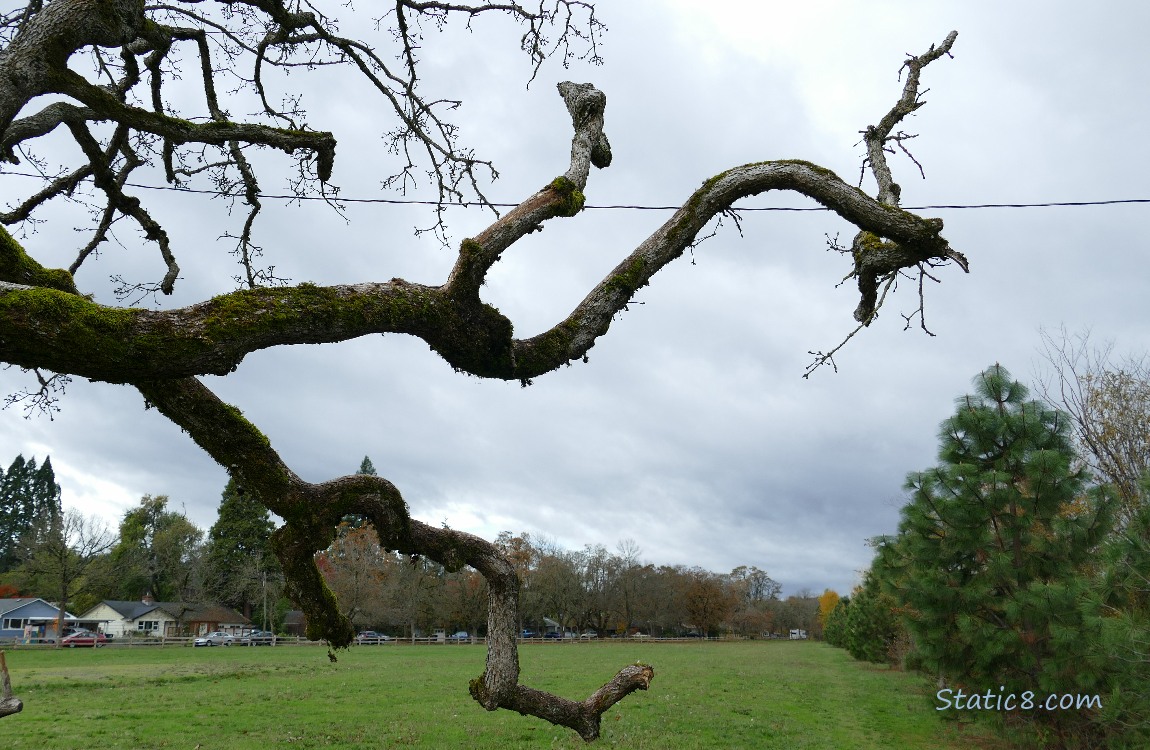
<point x="46" y="324"/>
<point x="69" y="334"/>
<point x="229" y="35"/>
<point x="312" y="512"/>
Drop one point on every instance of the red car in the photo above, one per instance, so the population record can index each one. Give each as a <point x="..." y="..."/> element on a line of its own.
<point x="84" y="638"/>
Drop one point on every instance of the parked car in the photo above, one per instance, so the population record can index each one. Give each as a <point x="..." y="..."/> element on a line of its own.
<point x="528" y="634"/>
<point x="85" y="638"/>
<point x="589" y="635"/>
<point x="215" y="638"/>
<point x="370" y="637"/>
<point x="553" y="635"/>
<point x="460" y="636"/>
<point x="259" y="638"/>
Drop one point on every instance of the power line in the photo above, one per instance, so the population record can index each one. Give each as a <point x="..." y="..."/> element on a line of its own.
<point x="476" y="204"/>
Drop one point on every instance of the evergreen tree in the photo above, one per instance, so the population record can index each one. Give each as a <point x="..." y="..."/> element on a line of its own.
<point x="872" y="625"/>
<point x="238" y="558"/>
<point x="1125" y="591"/>
<point x="994" y="541"/>
<point x="366" y="467"/>
<point x="28" y="495"/>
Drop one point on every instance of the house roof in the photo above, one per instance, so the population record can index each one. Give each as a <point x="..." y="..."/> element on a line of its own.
<point x="9" y="606"/>
<point x="183" y="611"/>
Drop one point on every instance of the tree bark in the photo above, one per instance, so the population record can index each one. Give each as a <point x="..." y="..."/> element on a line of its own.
<point x="9" y="703"/>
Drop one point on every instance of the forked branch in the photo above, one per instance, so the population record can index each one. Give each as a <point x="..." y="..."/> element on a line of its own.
<point x="213" y="337"/>
<point x="878" y="259"/>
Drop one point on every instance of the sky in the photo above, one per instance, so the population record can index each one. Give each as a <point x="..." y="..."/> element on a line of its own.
<point x="690" y="431"/>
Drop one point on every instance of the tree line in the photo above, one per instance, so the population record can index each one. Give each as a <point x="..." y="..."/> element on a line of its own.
<point x="1021" y="564"/>
<point x="588" y="590"/>
<point x="157" y="550"/>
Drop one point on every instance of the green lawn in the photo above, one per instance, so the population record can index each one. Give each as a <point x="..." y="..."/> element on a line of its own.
<point x="705" y="695"/>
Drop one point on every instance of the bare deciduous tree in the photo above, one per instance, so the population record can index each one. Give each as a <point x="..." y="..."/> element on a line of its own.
<point x="355" y="569"/>
<point x="58" y="551"/>
<point x="119" y="110"/>
<point x="1109" y="402"/>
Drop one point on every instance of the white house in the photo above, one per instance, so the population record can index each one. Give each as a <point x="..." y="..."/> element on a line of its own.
<point x="151" y="618"/>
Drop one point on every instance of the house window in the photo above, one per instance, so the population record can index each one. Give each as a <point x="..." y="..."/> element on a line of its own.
<point x="148" y="626"/>
<point x="14" y="624"/>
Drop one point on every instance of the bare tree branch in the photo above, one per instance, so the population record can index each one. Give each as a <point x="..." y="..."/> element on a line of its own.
<point x="45" y="399"/>
<point x="877" y="261"/>
<point x="877" y="136"/>
<point x="1108" y="401"/>
<point x="47" y="325"/>
<point x="264" y="33"/>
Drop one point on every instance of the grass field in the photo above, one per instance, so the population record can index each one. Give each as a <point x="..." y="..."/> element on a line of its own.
<point x="705" y="695"/>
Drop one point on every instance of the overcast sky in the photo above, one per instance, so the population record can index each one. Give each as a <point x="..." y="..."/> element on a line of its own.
<point x="691" y="430"/>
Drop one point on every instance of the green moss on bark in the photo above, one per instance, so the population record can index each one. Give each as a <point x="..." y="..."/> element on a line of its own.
<point x="630" y="279"/>
<point x="572" y="197"/>
<point x="546" y="351"/>
<point x="17" y="267"/>
<point x="69" y="320"/>
<point x="307" y="588"/>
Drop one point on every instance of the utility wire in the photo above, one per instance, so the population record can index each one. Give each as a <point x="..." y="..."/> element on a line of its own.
<point x="475" y="204"/>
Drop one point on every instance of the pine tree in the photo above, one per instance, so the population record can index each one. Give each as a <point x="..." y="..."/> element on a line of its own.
<point x="238" y="556"/>
<point x="834" y="630"/>
<point x="994" y="542"/>
<point x="1125" y="591"/>
<point x="872" y="625"/>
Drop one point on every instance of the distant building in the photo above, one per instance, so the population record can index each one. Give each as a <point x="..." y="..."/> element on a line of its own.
<point x="148" y="617"/>
<point x="294" y="622"/>
<point x="30" y="618"/>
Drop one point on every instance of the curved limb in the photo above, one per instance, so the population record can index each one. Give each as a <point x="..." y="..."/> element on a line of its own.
<point x="311" y="513"/>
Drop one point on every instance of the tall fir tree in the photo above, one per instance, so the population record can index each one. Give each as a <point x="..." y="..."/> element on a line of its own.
<point x="239" y="559"/>
<point x="995" y="541"/>
<point x="29" y="495"/>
